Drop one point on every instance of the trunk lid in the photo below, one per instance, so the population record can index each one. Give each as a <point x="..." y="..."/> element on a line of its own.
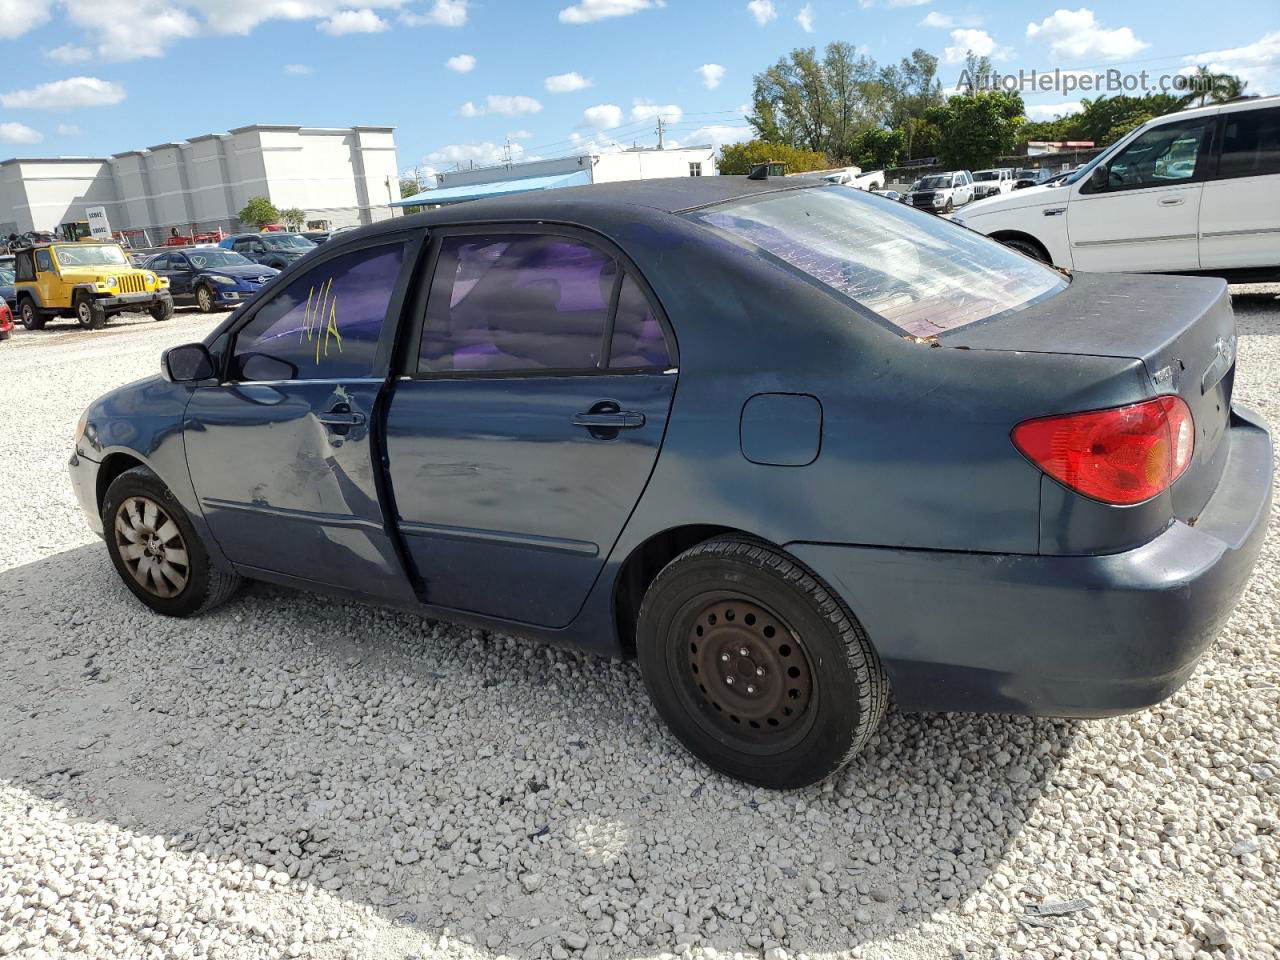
<point x="1182" y="329"/>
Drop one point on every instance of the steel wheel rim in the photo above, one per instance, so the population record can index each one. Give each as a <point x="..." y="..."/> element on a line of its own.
<point x="760" y="701"/>
<point x="84" y="312"/>
<point x="152" y="547"/>
<point x="206" y="301"/>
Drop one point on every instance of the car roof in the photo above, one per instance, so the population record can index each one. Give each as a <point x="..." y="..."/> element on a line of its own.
<point x="602" y="202"/>
<point x="1232" y="106"/>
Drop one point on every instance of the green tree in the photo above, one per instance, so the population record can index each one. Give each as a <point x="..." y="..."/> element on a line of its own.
<point x="259" y="211"/>
<point x="914" y="89"/>
<point x="293" y="218"/>
<point x="738" y="158"/>
<point x="1209" y="87"/>
<point x="880" y="148"/>
<point x="819" y="104"/>
<point x="1103" y="120"/>
<point x="977" y="128"/>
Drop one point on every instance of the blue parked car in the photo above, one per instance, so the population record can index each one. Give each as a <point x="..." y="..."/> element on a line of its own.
<point x="210" y="277"/>
<point x="790" y="444"/>
<point x="276" y="250"/>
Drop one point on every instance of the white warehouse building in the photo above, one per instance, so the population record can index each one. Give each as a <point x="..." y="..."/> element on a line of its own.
<point x="638" y="163"/>
<point x="338" y="176"/>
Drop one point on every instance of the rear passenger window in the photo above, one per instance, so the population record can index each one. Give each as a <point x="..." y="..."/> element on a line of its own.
<point x="1250" y="144"/>
<point x="516" y="302"/>
<point x="638" y="340"/>
<point x="325" y="325"/>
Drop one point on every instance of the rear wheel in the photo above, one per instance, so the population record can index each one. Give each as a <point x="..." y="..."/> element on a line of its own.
<point x="157" y="551"/>
<point x="30" y="316"/>
<point x="756" y="666"/>
<point x="204" y="299"/>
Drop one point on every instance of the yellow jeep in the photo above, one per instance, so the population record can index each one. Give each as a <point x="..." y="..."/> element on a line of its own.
<point x="87" y="280"/>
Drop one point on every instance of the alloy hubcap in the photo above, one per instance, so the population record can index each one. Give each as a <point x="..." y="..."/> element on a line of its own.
<point x="750" y="668"/>
<point x="152" y="547"/>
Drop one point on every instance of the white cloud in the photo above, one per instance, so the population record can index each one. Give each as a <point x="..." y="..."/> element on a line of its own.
<point x="1077" y="34"/>
<point x="762" y="10"/>
<point x="117" y="29"/>
<point x="805" y="18"/>
<point x="481" y="154"/>
<point x="462" y="63"/>
<point x="69" y="53"/>
<point x="519" y="135"/>
<point x="297" y="70"/>
<point x="648" y="110"/>
<point x="907" y="3"/>
<point x="603" y="116"/>
<point x="19" y="16"/>
<point x="589" y="11"/>
<point x="65" y="95"/>
<point x="596" y="143"/>
<point x="67" y="130"/>
<point x="978" y="42"/>
<point x="566" y="82"/>
<point x="353" y="21"/>
<point x="712" y="74"/>
<point x="18" y="133"/>
<point x="1050" y="111"/>
<point x="720" y="133"/>
<point x="508" y="106"/>
<point x="945" y="21"/>
<point x="443" y="13"/>
<point x="1257" y="62"/>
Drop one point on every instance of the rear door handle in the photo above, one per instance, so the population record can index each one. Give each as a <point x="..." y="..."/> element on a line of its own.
<point x="618" y="420"/>
<point x="1172" y="201"/>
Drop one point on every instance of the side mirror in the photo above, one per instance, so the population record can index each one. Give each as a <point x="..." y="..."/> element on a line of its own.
<point x="187" y="363"/>
<point x="1100" y="177"/>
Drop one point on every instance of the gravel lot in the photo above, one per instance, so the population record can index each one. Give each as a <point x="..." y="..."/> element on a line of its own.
<point x="297" y="776"/>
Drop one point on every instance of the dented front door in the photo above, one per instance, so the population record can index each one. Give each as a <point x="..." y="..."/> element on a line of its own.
<point x="283" y="453"/>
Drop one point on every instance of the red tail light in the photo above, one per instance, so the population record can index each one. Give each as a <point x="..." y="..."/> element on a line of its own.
<point x="1121" y="456"/>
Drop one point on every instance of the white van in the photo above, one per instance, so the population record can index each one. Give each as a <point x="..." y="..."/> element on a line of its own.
<point x="1191" y="192"/>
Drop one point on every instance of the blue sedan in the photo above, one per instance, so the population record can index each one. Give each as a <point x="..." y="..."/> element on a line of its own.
<point x="789" y="444"/>
<point x="211" y="278"/>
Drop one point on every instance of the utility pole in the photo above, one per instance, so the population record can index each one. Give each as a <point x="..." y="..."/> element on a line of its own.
<point x="506" y="152"/>
<point x="661" y="123"/>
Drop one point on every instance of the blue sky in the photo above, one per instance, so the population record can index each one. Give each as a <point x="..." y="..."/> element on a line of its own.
<point x="458" y="77"/>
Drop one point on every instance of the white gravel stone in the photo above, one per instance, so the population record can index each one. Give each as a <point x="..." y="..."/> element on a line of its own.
<point x="299" y="776"/>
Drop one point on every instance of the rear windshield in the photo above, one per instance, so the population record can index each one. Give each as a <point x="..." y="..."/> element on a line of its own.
<point x="917" y="271"/>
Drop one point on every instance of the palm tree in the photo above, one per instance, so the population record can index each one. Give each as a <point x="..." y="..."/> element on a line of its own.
<point x="1207" y="87"/>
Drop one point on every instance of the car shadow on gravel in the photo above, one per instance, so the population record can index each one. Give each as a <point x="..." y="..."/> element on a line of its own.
<point x="516" y="796"/>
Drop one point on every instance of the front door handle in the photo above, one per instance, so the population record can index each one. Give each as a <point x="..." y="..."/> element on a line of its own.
<point x="1172" y="201"/>
<point x="614" y="420"/>
<point x="341" y="419"/>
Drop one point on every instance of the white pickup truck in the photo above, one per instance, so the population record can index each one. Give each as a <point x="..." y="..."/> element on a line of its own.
<point x="854" y="177"/>
<point x="1192" y="192"/>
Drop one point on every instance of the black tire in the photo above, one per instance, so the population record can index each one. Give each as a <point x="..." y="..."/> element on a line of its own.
<point x="204" y="299"/>
<point x="807" y="695"/>
<point x="1027" y="247"/>
<point x="949" y="207"/>
<point x="161" y="311"/>
<point x="89" y="314"/>
<point x="31" y="318"/>
<point x="203" y="587"/>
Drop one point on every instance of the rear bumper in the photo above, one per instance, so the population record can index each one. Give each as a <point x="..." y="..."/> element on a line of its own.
<point x="1082" y="636"/>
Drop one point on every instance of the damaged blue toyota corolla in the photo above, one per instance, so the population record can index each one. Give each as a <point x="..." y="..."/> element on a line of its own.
<point x="790" y="444"/>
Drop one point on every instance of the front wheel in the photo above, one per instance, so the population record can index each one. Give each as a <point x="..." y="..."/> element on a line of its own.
<point x="949" y="207"/>
<point x="756" y="666"/>
<point x="30" y="316"/>
<point x="89" y="315"/>
<point x="162" y="310"/>
<point x="204" y="300"/>
<point x="157" y="551"/>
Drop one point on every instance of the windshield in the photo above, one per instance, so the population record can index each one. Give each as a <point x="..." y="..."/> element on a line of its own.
<point x="935" y="183"/>
<point x="922" y="274"/>
<point x="286" y="241"/>
<point x="986" y="175"/>
<point x="200" y="259"/>
<point x="89" y="255"/>
<point x="6" y="277"/>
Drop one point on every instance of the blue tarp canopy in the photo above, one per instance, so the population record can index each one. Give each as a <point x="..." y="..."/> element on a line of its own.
<point x="497" y="188"/>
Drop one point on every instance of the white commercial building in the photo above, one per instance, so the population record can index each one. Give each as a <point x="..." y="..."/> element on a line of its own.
<point x="339" y="176"/>
<point x="639" y="163"/>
